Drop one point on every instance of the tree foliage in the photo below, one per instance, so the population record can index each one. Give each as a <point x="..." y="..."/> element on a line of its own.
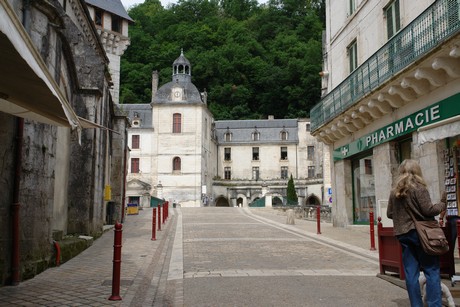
<point x="253" y="59"/>
<point x="291" y="193"/>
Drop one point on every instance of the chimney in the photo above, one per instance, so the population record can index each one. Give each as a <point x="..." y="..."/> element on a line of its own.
<point x="154" y="83"/>
<point x="271" y="117"/>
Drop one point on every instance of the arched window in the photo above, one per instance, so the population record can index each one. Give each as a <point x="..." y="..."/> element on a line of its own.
<point x="176" y="164"/>
<point x="177" y="123"/>
<point x="283" y="135"/>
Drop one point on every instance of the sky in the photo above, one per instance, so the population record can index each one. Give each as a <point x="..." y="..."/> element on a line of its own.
<point x="128" y="3"/>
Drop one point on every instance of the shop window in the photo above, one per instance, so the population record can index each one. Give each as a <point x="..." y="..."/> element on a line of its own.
<point x="176" y="164"/>
<point x="227" y="173"/>
<point x="255" y="173"/>
<point x="177" y="123"/>
<point x="284" y="153"/>
<point x="284" y="172"/>
<point x="405" y="149"/>
<point x="134" y="165"/>
<point x="255" y="153"/>
<point x="227" y="154"/>
<point x="135" y="140"/>
<point x="363" y="189"/>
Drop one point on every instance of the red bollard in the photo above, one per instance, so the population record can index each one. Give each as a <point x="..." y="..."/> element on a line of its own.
<point x="371" y="224"/>
<point x="116" y="264"/>
<point x="154" y="226"/>
<point x="167" y="211"/>
<point x="318" y="219"/>
<point x="458" y="234"/>
<point x="159" y="217"/>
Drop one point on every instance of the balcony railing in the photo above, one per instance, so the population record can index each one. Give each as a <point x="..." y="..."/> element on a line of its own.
<point x="430" y="29"/>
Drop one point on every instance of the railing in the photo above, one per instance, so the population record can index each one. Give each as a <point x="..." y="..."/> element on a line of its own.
<point x="436" y="24"/>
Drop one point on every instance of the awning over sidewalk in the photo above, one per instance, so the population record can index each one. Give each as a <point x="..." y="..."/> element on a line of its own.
<point x="26" y="87"/>
<point x="440" y="130"/>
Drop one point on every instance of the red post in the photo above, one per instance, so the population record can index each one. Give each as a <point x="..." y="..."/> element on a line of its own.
<point x="154" y="226"/>
<point x="458" y="234"/>
<point x="159" y="217"/>
<point x="318" y="219"/>
<point x="371" y="224"/>
<point x="116" y="264"/>
<point x="167" y="210"/>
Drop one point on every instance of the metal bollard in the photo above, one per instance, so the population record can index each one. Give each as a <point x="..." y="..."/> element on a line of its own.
<point x="371" y="224"/>
<point x="116" y="264"/>
<point x="154" y="226"/>
<point x="458" y="235"/>
<point x="159" y="217"/>
<point x="318" y="219"/>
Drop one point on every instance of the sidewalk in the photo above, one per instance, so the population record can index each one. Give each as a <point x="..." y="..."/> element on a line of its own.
<point x="86" y="280"/>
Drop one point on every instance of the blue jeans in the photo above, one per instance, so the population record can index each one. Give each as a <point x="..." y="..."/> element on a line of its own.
<point x="414" y="260"/>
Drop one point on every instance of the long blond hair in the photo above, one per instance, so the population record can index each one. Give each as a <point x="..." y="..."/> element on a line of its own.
<point x="410" y="174"/>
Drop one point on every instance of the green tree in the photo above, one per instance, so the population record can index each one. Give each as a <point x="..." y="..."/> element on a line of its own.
<point x="291" y="193"/>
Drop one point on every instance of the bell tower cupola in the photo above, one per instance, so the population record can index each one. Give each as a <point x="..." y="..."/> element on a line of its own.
<point x="182" y="70"/>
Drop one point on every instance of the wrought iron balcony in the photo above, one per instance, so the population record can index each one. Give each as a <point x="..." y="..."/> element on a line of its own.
<point x="435" y="25"/>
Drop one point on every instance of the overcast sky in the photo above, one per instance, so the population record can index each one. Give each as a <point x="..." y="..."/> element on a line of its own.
<point x="128" y="3"/>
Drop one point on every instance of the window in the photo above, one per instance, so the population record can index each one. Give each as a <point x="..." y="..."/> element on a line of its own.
<point x="116" y="23"/>
<point x="135" y="139"/>
<point x="310" y="152"/>
<point x="352" y="52"/>
<point x="308" y="127"/>
<point x="284" y="153"/>
<point x="228" y="136"/>
<point x="256" y="136"/>
<point x="227" y="154"/>
<point x="255" y="173"/>
<point x="311" y="172"/>
<point x="255" y="153"/>
<point x="177" y="123"/>
<point x="176" y="164"/>
<point x="134" y="165"/>
<point x="363" y="189"/>
<point x="227" y="173"/>
<point x="368" y="166"/>
<point x="351" y="7"/>
<point x="284" y="135"/>
<point x="284" y="172"/>
<point x="98" y="14"/>
<point x="393" y="18"/>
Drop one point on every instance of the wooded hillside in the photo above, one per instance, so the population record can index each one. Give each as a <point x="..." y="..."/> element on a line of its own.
<point x="253" y="60"/>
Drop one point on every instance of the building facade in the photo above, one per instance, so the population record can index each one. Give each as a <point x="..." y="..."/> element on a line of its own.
<point x="181" y="154"/>
<point x="391" y="91"/>
<point x="61" y="141"/>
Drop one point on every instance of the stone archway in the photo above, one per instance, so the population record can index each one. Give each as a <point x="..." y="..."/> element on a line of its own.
<point x="239" y="202"/>
<point x="312" y="200"/>
<point x="277" y="201"/>
<point x="222" y="202"/>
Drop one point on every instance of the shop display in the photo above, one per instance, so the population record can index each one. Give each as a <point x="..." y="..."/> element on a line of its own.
<point x="451" y="164"/>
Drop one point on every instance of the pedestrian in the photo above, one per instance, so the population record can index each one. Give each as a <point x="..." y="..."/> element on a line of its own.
<point x="410" y="193"/>
<point x="451" y="221"/>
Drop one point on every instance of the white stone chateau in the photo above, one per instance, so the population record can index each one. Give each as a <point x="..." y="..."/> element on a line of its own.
<point x="179" y="153"/>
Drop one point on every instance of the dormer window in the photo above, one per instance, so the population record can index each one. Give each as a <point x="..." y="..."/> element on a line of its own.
<point x="255" y="135"/>
<point x="228" y="135"/>
<point x="284" y="135"/>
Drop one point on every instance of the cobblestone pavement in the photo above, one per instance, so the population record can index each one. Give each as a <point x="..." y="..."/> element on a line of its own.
<point x="219" y="257"/>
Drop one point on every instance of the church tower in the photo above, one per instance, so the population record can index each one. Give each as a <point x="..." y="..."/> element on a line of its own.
<point x="182" y="140"/>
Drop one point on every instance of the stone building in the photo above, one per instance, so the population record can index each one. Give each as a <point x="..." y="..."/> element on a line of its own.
<point x="391" y="92"/>
<point x="181" y="154"/>
<point x="61" y="141"/>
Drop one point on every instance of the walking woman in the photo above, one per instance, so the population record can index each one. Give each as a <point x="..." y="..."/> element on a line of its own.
<point x="410" y="193"/>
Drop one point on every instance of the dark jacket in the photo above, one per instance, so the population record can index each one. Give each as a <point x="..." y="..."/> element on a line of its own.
<point x="419" y="201"/>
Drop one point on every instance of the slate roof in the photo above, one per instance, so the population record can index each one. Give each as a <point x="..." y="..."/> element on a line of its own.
<point x="112" y="6"/>
<point x="269" y="130"/>
<point x="143" y="111"/>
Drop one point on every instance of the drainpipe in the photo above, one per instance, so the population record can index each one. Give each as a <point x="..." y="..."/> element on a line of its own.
<point x="15" y="205"/>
